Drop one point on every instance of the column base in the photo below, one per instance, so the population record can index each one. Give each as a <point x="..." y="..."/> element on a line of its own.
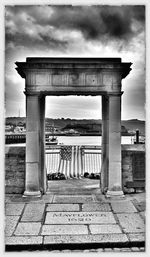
<point x="115" y="194"/>
<point x="32" y="193"/>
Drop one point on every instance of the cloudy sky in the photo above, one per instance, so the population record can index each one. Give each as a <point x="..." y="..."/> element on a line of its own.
<point x="79" y="31"/>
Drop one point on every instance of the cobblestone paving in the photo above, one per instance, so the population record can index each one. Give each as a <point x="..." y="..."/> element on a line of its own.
<point x="98" y="250"/>
<point x="127" y="249"/>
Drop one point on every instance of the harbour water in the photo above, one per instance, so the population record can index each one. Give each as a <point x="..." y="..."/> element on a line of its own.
<point x="83" y="140"/>
<point x="89" y="140"/>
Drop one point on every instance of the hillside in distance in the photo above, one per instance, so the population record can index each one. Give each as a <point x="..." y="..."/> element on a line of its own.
<point x="130" y="125"/>
<point x="134" y="124"/>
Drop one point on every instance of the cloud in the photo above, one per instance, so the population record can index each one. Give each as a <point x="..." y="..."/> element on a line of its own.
<point x="38" y="25"/>
<point x="21" y="30"/>
<point x="95" y="31"/>
<point x="96" y="21"/>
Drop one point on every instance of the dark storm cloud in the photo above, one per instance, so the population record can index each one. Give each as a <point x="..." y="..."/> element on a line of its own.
<point x="96" y="23"/>
<point x="101" y="31"/>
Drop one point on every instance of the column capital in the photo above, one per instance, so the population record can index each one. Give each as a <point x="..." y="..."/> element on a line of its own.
<point x="34" y="94"/>
<point x="114" y="93"/>
<point x="26" y="92"/>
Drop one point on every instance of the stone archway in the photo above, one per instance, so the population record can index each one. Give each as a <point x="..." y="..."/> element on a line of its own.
<point x="73" y="76"/>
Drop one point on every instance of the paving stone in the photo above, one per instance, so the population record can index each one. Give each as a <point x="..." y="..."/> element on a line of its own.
<point x="79" y="218"/>
<point x="17" y="198"/>
<point x="8" y="198"/>
<point x="33" y="212"/>
<point x="123" y="207"/>
<point x="108" y="250"/>
<point x="86" y="251"/>
<point x="96" y="207"/>
<point x="100" y="250"/>
<point x="73" y="199"/>
<point x="101" y="198"/>
<point x="142" y="249"/>
<point x="140" y="197"/>
<point x="62" y="207"/>
<point x="101" y="238"/>
<point x="28" y="228"/>
<point x="14" y="209"/>
<point x="140" y="206"/>
<point x="125" y="249"/>
<point x="64" y="229"/>
<point x="47" y="198"/>
<point x="142" y="214"/>
<point x="137" y="237"/>
<point x="135" y="249"/>
<point x="10" y="224"/>
<point x="131" y="222"/>
<point x="117" y="249"/>
<point x="102" y="229"/>
<point x="23" y="240"/>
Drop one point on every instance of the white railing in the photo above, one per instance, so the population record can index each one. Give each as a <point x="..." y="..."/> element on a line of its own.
<point x="84" y="159"/>
<point x="92" y="161"/>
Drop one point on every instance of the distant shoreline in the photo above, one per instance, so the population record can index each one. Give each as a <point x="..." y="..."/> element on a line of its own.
<point x="69" y="134"/>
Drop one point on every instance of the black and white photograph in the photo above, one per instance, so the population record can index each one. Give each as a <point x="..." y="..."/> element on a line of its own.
<point x="75" y="127"/>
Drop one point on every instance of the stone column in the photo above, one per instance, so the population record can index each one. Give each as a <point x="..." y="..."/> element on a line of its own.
<point x="32" y="185"/>
<point x="43" y="175"/>
<point x="105" y="143"/>
<point x="114" y="152"/>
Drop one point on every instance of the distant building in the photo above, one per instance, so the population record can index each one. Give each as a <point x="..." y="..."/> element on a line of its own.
<point x="19" y="129"/>
<point x="51" y="129"/>
<point x="8" y="128"/>
<point x="71" y="131"/>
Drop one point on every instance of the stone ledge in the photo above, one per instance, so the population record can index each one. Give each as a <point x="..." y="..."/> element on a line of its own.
<point x="136" y="237"/>
<point x="28" y="229"/>
<point x="23" y="240"/>
<point x="81" y="239"/>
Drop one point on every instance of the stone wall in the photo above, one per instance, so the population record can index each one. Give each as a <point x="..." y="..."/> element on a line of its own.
<point x="127" y="174"/>
<point x="15" y="166"/>
<point x="14" y="169"/>
<point x="130" y="166"/>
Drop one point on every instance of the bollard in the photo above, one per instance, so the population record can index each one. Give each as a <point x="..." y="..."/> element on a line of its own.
<point x="137" y="136"/>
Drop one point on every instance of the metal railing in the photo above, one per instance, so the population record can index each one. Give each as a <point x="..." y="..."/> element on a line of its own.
<point x="88" y="162"/>
<point x="15" y="138"/>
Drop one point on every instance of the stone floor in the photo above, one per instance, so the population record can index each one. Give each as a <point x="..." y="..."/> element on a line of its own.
<point x="73" y="216"/>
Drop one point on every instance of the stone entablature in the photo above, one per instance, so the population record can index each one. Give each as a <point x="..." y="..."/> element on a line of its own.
<point x="73" y="76"/>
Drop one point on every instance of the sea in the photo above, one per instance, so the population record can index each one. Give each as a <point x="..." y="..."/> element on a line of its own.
<point x="84" y="140"/>
<point x="89" y="140"/>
